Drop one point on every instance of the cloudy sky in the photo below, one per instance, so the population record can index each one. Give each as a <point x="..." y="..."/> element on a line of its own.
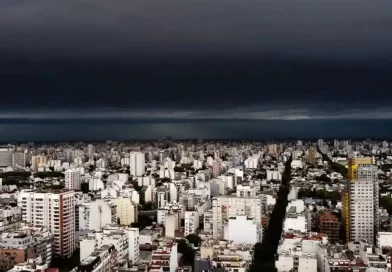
<point x="94" y="69"/>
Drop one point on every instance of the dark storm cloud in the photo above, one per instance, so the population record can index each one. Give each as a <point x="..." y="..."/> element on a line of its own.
<point x="221" y="89"/>
<point x="260" y="60"/>
<point x="98" y="27"/>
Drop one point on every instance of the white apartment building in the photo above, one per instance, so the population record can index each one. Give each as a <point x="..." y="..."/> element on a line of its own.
<point x="172" y="223"/>
<point x="251" y="162"/>
<point x="364" y="203"/>
<point x="384" y="239"/>
<point x="242" y="229"/>
<point x="146" y="181"/>
<point x="273" y="175"/>
<point x="133" y="244"/>
<point x="101" y="260"/>
<point x="225" y="207"/>
<point x="161" y="197"/>
<point x="96" y="214"/>
<point x="174" y="208"/>
<point x="124" y="239"/>
<point x="54" y="209"/>
<point x="72" y="179"/>
<point x="191" y="222"/>
<point x="137" y="164"/>
<point x="300" y="262"/>
<point x="165" y="258"/>
<point x="246" y="191"/>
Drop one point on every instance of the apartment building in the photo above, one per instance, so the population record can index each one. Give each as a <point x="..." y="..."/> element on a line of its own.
<point x="127" y="211"/>
<point x="103" y="259"/>
<point x="360" y="201"/>
<point x="72" y="179"/>
<point x="191" y="222"/>
<point x="96" y="214"/>
<point x="328" y="223"/>
<point x="225" y="207"/>
<point x="164" y="258"/>
<point x="124" y="239"/>
<point x="137" y="164"/>
<point x="25" y="243"/>
<point x="6" y="156"/>
<point x="54" y="209"/>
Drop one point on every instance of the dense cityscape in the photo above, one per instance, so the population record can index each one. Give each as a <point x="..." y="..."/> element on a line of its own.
<point x="194" y="206"/>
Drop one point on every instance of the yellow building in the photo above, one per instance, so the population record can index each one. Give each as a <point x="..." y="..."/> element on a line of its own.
<point x="346" y="213"/>
<point x="127" y="211"/>
<point x="353" y="165"/>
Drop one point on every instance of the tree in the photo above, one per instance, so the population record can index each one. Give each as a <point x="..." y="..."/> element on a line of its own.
<point x="386" y="203"/>
<point x="147" y="206"/>
<point x="43" y="175"/>
<point x="194" y="239"/>
<point x="188" y="253"/>
<point x="84" y="187"/>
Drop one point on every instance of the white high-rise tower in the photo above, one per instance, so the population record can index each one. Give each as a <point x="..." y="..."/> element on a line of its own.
<point x="137" y="164"/>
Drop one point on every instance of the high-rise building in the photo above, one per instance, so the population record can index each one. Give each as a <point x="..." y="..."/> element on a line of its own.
<point x="54" y="209"/>
<point x="19" y="159"/>
<point x="320" y="144"/>
<point x="225" y="207"/>
<point x="273" y="149"/>
<point x="137" y="164"/>
<point x="38" y="161"/>
<point x="90" y="151"/>
<point x="72" y="179"/>
<point x="353" y="164"/>
<point x="217" y="168"/>
<point x="311" y="155"/>
<point x="6" y="156"/>
<point x="70" y="155"/>
<point x="360" y="201"/>
<point x="133" y="245"/>
<point x="191" y="222"/>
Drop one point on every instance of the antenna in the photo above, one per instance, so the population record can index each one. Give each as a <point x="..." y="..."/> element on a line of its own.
<point x="100" y="216"/>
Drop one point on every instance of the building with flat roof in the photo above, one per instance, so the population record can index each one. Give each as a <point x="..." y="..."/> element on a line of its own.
<point x="54" y="209"/>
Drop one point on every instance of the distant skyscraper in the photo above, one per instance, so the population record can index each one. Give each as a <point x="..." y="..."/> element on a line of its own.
<point x="320" y="144"/>
<point x="273" y="148"/>
<point x="137" y="164"/>
<point x="299" y="145"/>
<point x="217" y="168"/>
<point x="311" y="155"/>
<point x="90" y="151"/>
<point x="336" y="143"/>
<point x="19" y="159"/>
<point x="72" y="179"/>
<point x="70" y="155"/>
<point x="6" y="156"/>
<point x="38" y="161"/>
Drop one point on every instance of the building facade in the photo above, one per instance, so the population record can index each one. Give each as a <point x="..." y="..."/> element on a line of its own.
<point x="54" y="209"/>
